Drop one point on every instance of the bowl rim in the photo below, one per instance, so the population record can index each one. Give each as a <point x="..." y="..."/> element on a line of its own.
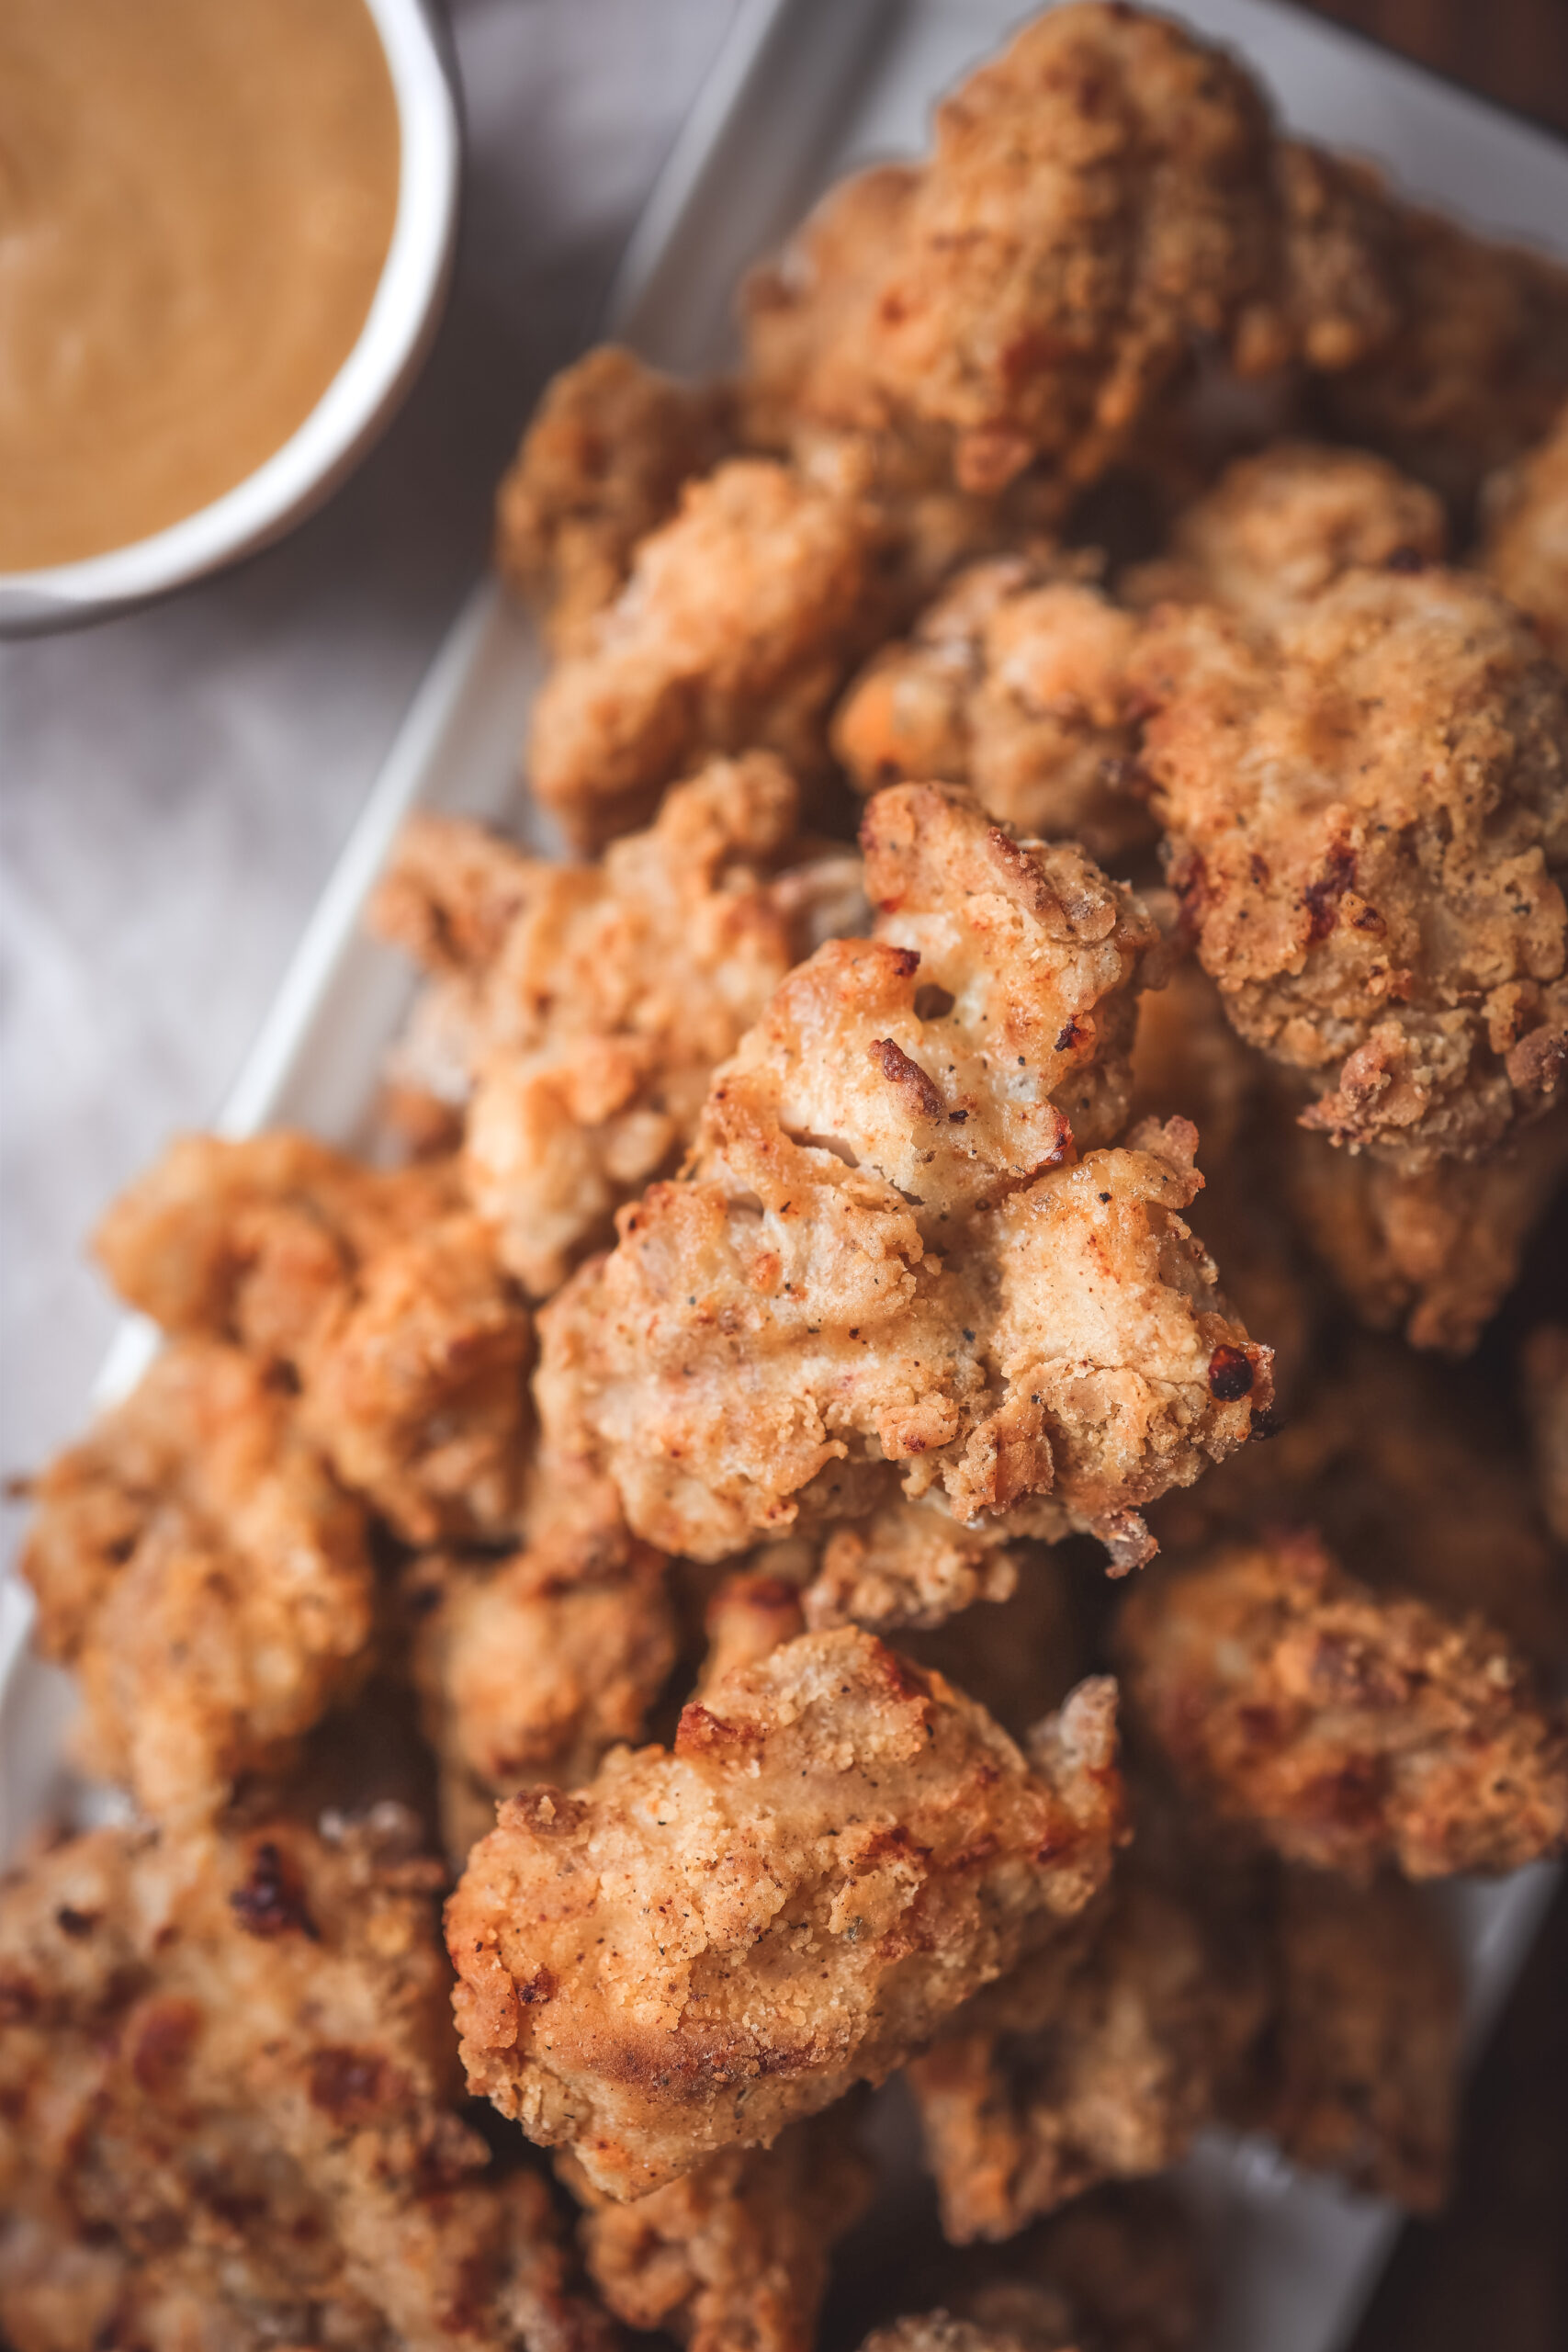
<point x="398" y="325"/>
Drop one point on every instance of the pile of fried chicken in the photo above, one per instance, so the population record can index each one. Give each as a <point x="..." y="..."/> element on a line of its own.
<point x="874" y="1473"/>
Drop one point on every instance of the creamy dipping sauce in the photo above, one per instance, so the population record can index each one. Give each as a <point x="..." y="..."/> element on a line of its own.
<point x="197" y="198"/>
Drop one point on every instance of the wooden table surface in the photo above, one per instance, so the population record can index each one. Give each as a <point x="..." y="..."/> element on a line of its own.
<point x="1513" y="49"/>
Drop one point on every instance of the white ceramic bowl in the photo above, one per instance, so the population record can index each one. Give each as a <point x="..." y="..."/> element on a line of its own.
<point x="356" y="406"/>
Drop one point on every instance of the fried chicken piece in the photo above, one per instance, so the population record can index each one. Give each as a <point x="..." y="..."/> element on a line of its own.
<point x="197" y="1566"/>
<point x="1477" y="368"/>
<point x="531" y="1668"/>
<point x="1433" y="1254"/>
<point x="1546" y="1406"/>
<point x="1343" y="1727"/>
<point x="1280" y="526"/>
<point x="1366" y="811"/>
<point x="712" y="1943"/>
<point x="774" y="1336"/>
<point x="1364" y="2074"/>
<point x="601" y="465"/>
<point x="732" y="2257"/>
<point x="1415" y="1486"/>
<point x="1012" y="683"/>
<point x="1100" y="198"/>
<point x="1095" y="2059"/>
<point x="580" y="1010"/>
<point x="1525" y="548"/>
<point x="1119" y="2270"/>
<point x="376" y="1290"/>
<point x="236" y="2050"/>
<point x="673" y="672"/>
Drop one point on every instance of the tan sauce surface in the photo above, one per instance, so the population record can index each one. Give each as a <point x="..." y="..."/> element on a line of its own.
<point x="195" y="200"/>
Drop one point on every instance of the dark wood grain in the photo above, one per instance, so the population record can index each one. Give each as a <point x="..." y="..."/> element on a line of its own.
<point x="1516" y="51"/>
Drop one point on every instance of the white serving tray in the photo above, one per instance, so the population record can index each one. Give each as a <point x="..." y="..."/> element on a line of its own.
<point x="803" y="91"/>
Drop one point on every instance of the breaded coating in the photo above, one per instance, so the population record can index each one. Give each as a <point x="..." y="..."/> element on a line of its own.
<point x="1280" y="527"/>
<point x="1477" y="367"/>
<point x="775" y="1338"/>
<point x="1364" y="2072"/>
<point x="712" y="1943"/>
<point x="1012" y="683"/>
<point x="732" y="2257"/>
<point x="1546" y="1408"/>
<point x="741" y="620"/>
<point x="602" y="464"/>
<point x="1415" y="1486"/>
<point x="1094" y="2060"/>
<point x="531" y="1668"/>
<point x="1342" y="1727"/>
<point x="227" y="2117"/>
<point x="1099" y="196"/>
<point x="579" y="1011"/>
<point x="199" y="1569"/>
<point x="1433" y="1254"/>
<point x="1525" y="548"/>
<point x="751" y="1613"/>
<point x="377" y="1292"/>
<point x="1367" y="811"/>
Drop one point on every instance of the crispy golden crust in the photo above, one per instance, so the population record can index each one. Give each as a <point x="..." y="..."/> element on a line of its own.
<point x="733" y="2257"/>
<point x="710" y="1943"/>
<point x="601" y="465"/>
<point x="1099" y="196"/>
<point x="1415" y="1486"/>
<point x="1433" y="1254"/>
<point x="1546" y="1406"/>
<point x="531" y="1669"/>
<point x="377" y="1293"/>
<point x="775" y="1336"/>
<point x="1363" y="2077"/>
<point x="1526" y="544"/>
<point x="1382" y="913"/>
<point x="1280" y="527"/>
<point x="673" y="672"/>
<point x="1094" y="2060"/>
<point x="1012" y="683"/>
<point x="238" y="2049"/>
<point x="199" y="1569"/>
<point x="579" y="1011"/>
<point x="1342" y="1727"/>
<point x="1477" y="367"/>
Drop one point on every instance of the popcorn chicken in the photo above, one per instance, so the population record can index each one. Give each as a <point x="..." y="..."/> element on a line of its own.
<point x="1477" y="367"/>
<point x="1095" y="2059"/>
<point x="197" y="1566"/>
<point x="1368" y="812"/>
<point x="228" y="2117"/>
<point x="1280" y="526"/>
<point x="733" y="2255"/>
<point x="1434" y="1253"/>
<point x="775" y="1340"/>
<point x="712" y="1943"/>
<point x="1012" y="683"/>
<point x="602" y="464"/>
<point x="531" y="1668"/>
<point x="1525" y="548"/>
<point x="1366" y="2047"/>
<point x="1414" y="1485"/>
<point x="740" y="621"/>
<point x="579" y="1011"/>
<point x="1344" y="1728"/>
<point x="1100" y="196"/>
<point x="377" y="1292"/>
